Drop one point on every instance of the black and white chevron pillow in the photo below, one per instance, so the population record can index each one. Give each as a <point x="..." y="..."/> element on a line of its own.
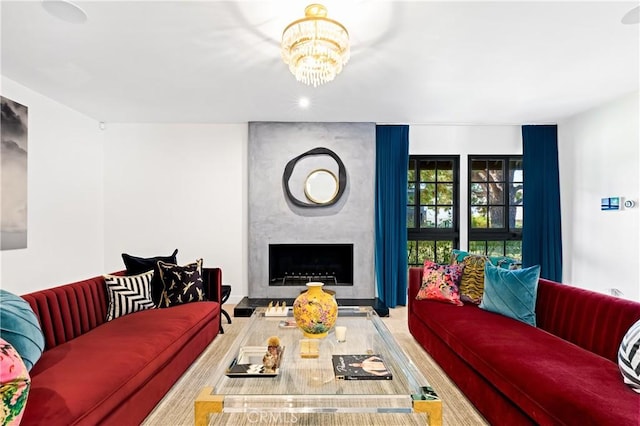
<point x="128" y="294"/>
<point x="629" y="357"/>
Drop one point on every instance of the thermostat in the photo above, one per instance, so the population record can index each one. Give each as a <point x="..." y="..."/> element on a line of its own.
<point x="629" y="203"/>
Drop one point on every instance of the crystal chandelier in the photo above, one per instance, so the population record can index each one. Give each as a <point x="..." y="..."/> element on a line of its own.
<point x="315" y="47"/>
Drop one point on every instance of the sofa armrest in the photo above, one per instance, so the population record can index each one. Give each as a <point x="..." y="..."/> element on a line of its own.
<point x="212" y="278"/>
<point x="415" y="281"/>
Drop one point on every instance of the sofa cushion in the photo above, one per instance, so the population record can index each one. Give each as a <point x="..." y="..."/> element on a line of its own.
<point x="181" y="284"/>
<point x="128" y="294"/>
<point x="503" y="262"/>
<point x="95" y="373"/>
<point x="549" y="378"/>
<point x="440" y="282"/>
<point x="14" y="385"/>
<point x="629" y="357"/>
<point x="19" y="326"/>
<point x="511" y="292"/>
<point x="137" y="265"/>
<point x="472" y="280"/>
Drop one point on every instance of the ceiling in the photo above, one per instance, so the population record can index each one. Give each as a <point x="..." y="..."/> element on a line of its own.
<point x="411" y="62"/>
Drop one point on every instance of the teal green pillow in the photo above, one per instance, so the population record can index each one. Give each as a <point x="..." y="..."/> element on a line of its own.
<point x="19" y="326"/>
<point x="511" y="292"/>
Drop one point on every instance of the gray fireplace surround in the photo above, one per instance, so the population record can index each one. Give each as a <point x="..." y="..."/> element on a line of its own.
<point x="274" y="220"/>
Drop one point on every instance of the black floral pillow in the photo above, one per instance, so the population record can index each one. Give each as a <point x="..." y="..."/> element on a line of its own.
<point x="181" y="284"/>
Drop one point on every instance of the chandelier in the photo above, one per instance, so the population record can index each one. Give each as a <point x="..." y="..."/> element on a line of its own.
<point x="315" y="47"/>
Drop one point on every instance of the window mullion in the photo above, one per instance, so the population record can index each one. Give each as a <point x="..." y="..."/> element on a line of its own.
<point x="485" y="168"/>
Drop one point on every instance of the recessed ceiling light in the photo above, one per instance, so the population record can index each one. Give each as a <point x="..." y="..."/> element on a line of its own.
<point x="65" y="10"/>
<point x="304" y="102"/>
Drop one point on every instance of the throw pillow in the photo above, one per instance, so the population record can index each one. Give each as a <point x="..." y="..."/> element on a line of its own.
<point x="138" y="265"/>
<point x="128" y="294"/>
<point x="472" y="280"/>
<point x="14" y="385"/>
<point x="182" y="284"/>
<point x="629" y="357"/>
<point x="511" y="292"/>
<point x="20" y="327"/>
<point x="440" y="282"/>
<point x="457" y="256"/>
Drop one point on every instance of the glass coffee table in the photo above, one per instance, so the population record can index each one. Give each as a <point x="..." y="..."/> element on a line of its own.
<point x="309" y="385"/>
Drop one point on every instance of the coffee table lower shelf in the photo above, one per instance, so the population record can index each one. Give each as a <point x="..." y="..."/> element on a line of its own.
<point x="208" y="403"/>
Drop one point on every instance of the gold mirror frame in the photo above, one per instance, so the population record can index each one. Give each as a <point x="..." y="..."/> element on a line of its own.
<point x="321" y="186"/>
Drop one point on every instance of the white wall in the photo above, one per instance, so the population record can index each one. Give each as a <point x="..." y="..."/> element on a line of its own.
<point x="178" y="186"/>
<point x="464" y="141"/>
<point x="81" y="217"/>
<point x="599" y="157"/>
<point x="65" y="208"/>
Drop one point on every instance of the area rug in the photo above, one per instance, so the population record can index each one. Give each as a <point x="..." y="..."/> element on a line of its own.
<point x="176" y="408"/>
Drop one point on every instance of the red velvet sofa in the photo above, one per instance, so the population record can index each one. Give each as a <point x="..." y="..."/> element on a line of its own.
<point x="112" y="373"/>
<point x="562" y="372"/>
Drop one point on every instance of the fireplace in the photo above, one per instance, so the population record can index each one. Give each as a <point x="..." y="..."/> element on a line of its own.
<point x="297" y="264"/>
<point x="341" y="235"/>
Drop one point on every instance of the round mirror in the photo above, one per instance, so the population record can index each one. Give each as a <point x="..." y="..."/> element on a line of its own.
<point x="321" y="186"/>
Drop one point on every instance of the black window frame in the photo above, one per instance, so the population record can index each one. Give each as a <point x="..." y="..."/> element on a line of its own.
<point x="434" y="234"/>
<point x="506" y="233"/>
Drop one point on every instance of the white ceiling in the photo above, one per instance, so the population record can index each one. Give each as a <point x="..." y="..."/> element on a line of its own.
<point x="412" y="62"/>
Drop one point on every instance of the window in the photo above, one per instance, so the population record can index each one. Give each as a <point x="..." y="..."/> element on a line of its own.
<point x="495" y="205"/>
<point x="432" y="208"/>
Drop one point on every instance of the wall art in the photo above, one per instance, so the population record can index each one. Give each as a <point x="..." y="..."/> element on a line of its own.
<point x="13" y="175"/>
<point x="321" y="187"/>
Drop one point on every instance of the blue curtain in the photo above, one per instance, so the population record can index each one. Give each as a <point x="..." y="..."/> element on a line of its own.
<point x="541" y="233"/>
<point x="392" y="161"/>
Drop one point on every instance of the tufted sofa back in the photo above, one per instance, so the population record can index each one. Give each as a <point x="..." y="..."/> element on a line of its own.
<point x="70" y="310"/>
<point x="594" y="321"/>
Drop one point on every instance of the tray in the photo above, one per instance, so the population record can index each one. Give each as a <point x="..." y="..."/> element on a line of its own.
<point x="248" y="363"/>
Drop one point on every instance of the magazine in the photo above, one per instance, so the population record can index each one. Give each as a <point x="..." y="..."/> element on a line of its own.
<point x="361" y="367"/>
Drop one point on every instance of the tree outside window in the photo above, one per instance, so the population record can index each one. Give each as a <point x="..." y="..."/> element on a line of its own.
<point x="496" y="187"/>
<point x="432" y="208"/>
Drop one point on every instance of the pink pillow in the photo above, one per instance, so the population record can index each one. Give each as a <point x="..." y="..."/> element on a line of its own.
<point x="14" y="384"/>
<point x="441" y="283"/>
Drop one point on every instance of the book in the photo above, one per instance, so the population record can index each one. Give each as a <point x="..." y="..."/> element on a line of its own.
<point x="361" y="367"/>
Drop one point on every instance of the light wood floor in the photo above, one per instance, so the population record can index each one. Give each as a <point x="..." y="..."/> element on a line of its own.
<point x="177" y="406"/>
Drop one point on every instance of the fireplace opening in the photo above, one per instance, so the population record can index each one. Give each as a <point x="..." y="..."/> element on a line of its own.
<point x="298" y="264"/>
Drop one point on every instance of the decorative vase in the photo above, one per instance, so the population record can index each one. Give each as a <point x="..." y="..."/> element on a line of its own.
<point x="315" y="311"/>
